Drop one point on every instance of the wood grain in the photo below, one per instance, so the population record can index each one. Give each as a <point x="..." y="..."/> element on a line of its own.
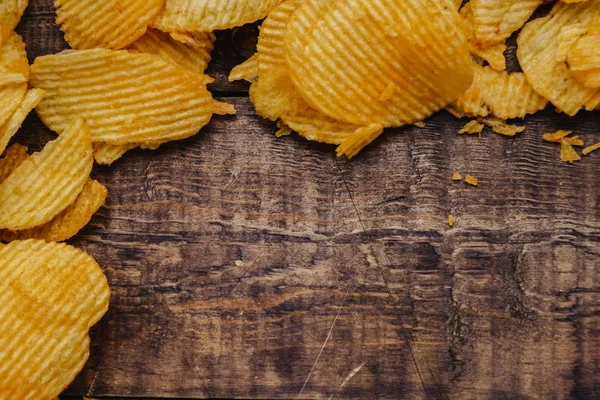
<point x="247" y="266"/>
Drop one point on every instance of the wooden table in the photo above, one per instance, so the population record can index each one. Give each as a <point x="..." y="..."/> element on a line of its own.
<point x="243" y="265"/>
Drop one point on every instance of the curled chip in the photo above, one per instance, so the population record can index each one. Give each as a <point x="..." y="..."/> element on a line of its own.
<point x="500" y="94"/>
<point x="413" y="58"/>
<point x="124" y="97"/>
<point x="248" y="70"/>
<point x="193" y="59"/>
<point x="538" y="44"/>
<point x="8" y="130"/>
<point x="51" y="295"/>
<point x="66" y="224"/>
<point x="210" y="15"/>
<point x="14" y="156"/>
<point x="111" y="24"/>
<point x="496" y="20"/>
<point x="10" y="15"/>
<point x="583" y="57"/>
<point x="47" y="182"/>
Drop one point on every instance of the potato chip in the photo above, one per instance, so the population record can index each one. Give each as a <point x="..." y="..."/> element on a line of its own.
<point x="190" y="58"/>
<point x="538" y="43"/>
<point x="494" y="54"/>
<point x="583" y="57"/>
<point x="106" y="154"/>
<point x="568" y="153"/>
<point x="590" y="149"/>
<point x="14" y="156"/>
<point x="496" y="20"/>
<point x="317" y="127"/>
<point x="500" y="126"/>
<point x="210" y="15"/>
<point x="47" y="182"/>
<point x="197" y="40"/>
<point x="471" y="180"/>
<point x="124" y="97"/>
<point x="13" y="59"/>
<point x="560" y="135"/>
<point x="11" y="97"/>
<point x="51" y="295"/>
<point x="248" y="70"/>
<point x="111" y="24"/>
<point x="66" y="224"/>
<point x="500" y="94"/>
<point x="345" y="81"/>
<point x="10" y="15"/>
<point x="8" y="130"/>
<point x="456" y="176"/>
<point x="362" y="137"/>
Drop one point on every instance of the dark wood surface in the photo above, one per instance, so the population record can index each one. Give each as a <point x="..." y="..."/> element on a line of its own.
<point x="243" y="265"/>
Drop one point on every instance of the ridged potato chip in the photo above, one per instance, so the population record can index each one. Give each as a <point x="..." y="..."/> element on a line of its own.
<point x="248" y="70"/>
<point x="14" y="156"/>
<point x="51" y="295"/>
<point x="106" y="154"/>
<point x="11" y="97"/>
<point x="190" y="58"/>
<point x="111" y="24"/>
<point x="210" y="15"/>
<point x="413" y="58"/>
<point x="10" y="15"/>
<point x="583" y="58"/>
<point x="66" y="224"/>
<point x="124" y="97"/>
<point x="47" y="182"/>
<point x="8" y="130"/>
<point x="494" y="54"/>
<point x="538" y="44"/>
<point x="14" y="66"/>
<point x="496" y="20"/>
<point x="500" y="94"/>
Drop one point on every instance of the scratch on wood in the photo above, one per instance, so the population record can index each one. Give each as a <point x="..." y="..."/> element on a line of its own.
<point x="246" y="270"/>
<point x="350" y="376"/>
<point x="325" y="342"/>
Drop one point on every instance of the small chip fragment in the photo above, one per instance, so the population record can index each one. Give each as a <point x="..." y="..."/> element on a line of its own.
<point x="66" y="224"/>
<point x="47" y="182"/>
<point x="500" y="126"/>
<point x="472" y="127"/>
<point x="248" y="70"/>
<point x="560" y="135"/>
<point x="591" y="148"/>
<point x="111" y="24"/>
<point x="567" y="152"/>
<point x="451" y="220"/>
<point x="456" y="176"/>
<point x="471" y="180"/>
<point x="51" y="295"/>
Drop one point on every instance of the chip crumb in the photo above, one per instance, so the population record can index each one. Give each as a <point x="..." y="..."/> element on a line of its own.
<point x="471" y="180"/>
<point x="560" y="135"/>
<point x="472" y="127"/>
<point x="456" y="176"/>
<point x="591" y="148"/>
<point x="568" y="153"/>
<point x="451" y="220"/>
<point x="284" y="130"/>
<point x="501" y="127"/>
<point x="420" y="124"/>
<point x="239" y="263"/>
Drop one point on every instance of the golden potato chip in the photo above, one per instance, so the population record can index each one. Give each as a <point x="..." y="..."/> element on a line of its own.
<point x="560" y="135"/>
<point x="51" y="295"/>
<point x="538" y="44"/>
<point x="456" y="176"/>
<point x="106" y="154"/>
<point x="124" y="97"/>
<point x="583" y="57"/>
<point x="362" y="137"/>
<point x="500" y="126"/>
<point x="14" y="66"/>
<point x="47" y="182"/>
<point x="496" y="20"/>
<point x="591" y="148"/>
<point x="66" y="224"/>
<point x="345" y="81"/>
<point x="111" y="24"/>
<point x="190" y="58"/>
<point x="500" y="94"/>
<point x="210" y="15"/>
<point x="567" y="37"/>
<point x="471" y="180"/>
<point x="494" y="54"/>
<point x="8" y="130"/>
<point x="568" y="153"/>
<point x="248" y="70"/>
<point x="14" y="156"/>
<point x="10" y="15"/>
<point x="197" y="40"/>
<point x="11" y="97"/>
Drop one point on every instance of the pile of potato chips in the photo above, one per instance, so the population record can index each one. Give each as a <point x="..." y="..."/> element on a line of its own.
<point x="340" y="72"/>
